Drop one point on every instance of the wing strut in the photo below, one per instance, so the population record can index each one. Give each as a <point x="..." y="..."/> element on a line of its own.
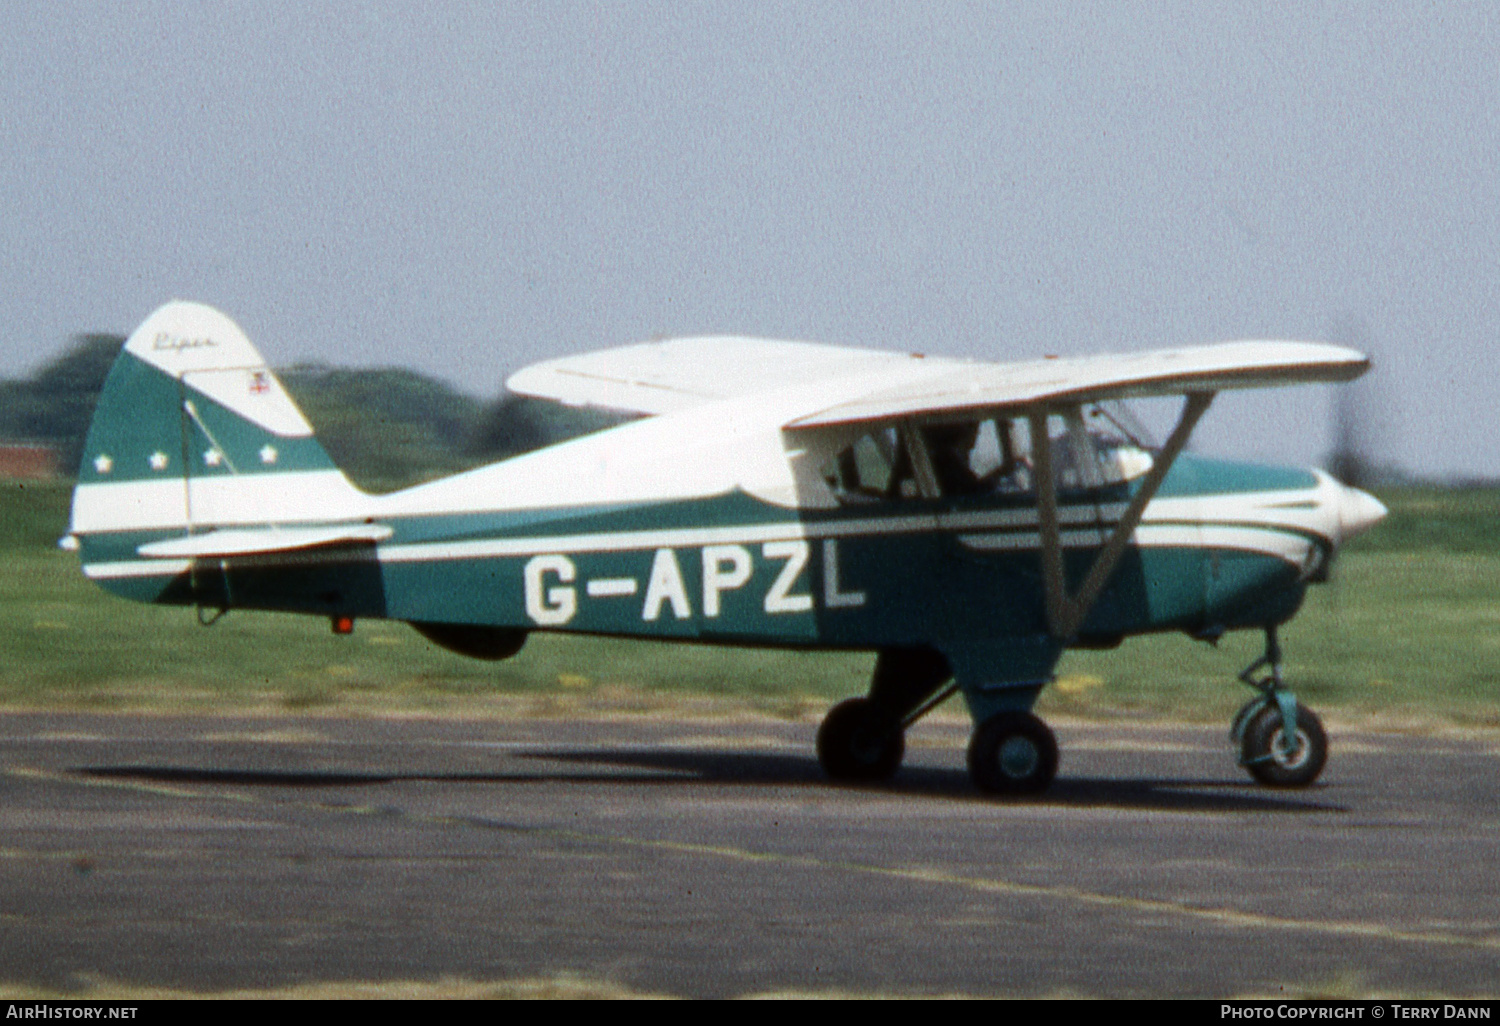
<point x="1065" y="614"/>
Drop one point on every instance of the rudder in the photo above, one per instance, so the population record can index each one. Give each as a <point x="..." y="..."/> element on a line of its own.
<point x="193" y="432"/>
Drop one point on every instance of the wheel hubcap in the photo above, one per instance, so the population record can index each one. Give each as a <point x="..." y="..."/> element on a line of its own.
<point x="1019" y="757"/>
<point x="1290" y="755"/>
<point x="868" y="745"/>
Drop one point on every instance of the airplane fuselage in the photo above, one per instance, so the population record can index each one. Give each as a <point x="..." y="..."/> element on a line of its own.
<point x="1223" y="545"/>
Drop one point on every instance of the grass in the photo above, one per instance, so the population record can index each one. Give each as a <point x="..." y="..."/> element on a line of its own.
<point x="560" y="987"/>
<point x="1399" y="636"/>
<point x="1408" y="634"/>
<point x="66" y="644"/>
<point x="1429" y="518"/>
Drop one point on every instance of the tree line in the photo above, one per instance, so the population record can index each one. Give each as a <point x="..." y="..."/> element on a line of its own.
<point x="386" y="427"/>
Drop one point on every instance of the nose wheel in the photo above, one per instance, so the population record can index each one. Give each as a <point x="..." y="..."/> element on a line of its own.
<point x="1281" y="742"/>
<point x="1274" y="758"/>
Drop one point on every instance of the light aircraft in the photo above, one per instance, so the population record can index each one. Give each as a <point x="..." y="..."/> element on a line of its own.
<point x="966" y="522"/>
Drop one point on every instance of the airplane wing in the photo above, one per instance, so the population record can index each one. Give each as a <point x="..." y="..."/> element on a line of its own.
<point x="1213" y="368"/>
<point x="675" y="374"/>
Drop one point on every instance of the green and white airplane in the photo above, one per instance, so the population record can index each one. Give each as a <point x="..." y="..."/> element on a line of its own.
<point x="965" y="521"/>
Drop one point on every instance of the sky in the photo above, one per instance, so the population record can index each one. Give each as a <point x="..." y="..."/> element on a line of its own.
<point x="465" y="188"/>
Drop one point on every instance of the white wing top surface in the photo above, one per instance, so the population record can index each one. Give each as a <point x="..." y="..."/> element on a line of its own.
<point x="840" y="385"/>
<point x="975" y="386"/>
<point x="730" y="408"/>
<point x="676" y="374"/>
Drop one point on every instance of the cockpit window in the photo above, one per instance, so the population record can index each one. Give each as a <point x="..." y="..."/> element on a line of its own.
<point x="980" y="457"/>
<point x="1092" y="447"/>
<point x="1121" y="444"/>
<point x="877" y="466"/>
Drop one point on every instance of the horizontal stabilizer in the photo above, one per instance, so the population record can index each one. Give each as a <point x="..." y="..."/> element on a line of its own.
<point x="262" y="540"/>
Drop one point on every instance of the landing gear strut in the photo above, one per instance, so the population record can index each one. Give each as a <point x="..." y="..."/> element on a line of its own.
<point x="1281" y="742"/>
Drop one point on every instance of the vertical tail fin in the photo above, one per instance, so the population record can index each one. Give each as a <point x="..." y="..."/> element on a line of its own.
<point x="192" y="431"/>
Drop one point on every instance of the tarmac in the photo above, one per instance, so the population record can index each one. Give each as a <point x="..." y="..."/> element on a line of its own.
<point x="713" y="859"/>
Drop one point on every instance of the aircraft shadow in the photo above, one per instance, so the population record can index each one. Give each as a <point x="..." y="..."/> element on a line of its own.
<point x="332" y="778"/>
<point x="676" y="767"/>
<point x="1164" y="794"/>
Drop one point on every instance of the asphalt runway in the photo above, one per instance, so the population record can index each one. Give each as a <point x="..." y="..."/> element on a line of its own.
<point x="712" y="859"/>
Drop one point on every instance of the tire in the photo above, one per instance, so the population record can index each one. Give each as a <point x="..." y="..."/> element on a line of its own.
<point x="1242" y="720"/>
<point x="1270" y="760"/>
<point x="1013" y="753"/>
<point x="859" y="742"/>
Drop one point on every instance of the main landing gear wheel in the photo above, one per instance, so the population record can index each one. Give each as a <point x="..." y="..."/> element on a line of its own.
<point x="1013" y="753"/>
<point x="1274" y="760"/>
<point x="858" y="741"/>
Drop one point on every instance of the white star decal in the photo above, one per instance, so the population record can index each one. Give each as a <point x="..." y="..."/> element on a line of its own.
<point x="268" y="454"/>
<point x="158" y="461"/>
<point x="213" y="457"/>
<point x="103" y="464"/>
